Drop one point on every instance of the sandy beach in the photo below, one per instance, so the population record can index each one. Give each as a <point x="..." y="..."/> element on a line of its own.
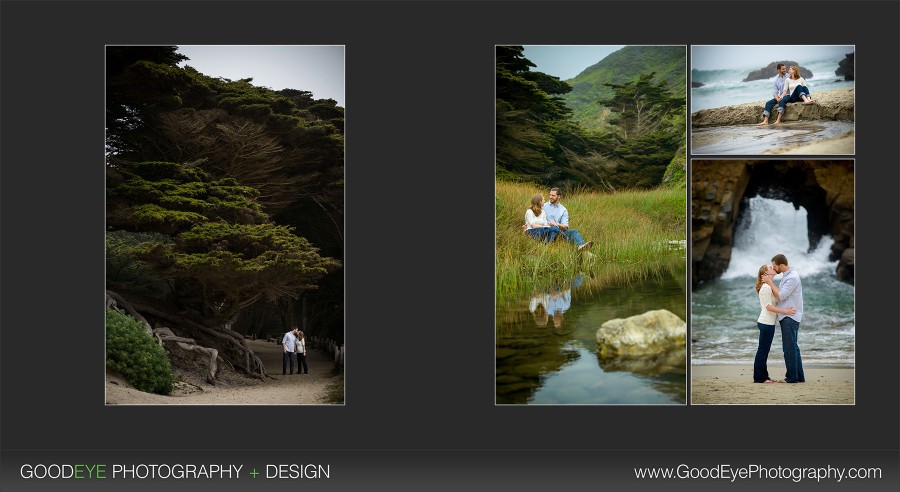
<point x="296" y="389"/>
<point x="733" y="384"/>
<point x="814" y="137"/>
<point x="843" y="144"/>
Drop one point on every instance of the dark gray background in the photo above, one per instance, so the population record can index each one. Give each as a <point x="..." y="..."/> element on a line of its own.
<point x="419" y="305"/>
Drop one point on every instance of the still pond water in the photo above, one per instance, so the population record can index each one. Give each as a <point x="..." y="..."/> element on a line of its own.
<point x="547" y="351"/>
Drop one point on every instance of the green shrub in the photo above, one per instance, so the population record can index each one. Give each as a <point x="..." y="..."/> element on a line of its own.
<point x="133" y="353"/>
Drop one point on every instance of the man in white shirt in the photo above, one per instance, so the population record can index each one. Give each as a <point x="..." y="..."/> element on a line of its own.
<point x="288" y="344"/>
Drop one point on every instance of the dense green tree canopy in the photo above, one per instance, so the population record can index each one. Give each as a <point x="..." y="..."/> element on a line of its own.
<point x="534" y="133"/>
<point x="220" y="193"/>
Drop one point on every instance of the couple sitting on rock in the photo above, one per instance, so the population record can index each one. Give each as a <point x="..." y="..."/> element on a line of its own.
<point x="548" y="222"/>
<point x="788" y="88"/>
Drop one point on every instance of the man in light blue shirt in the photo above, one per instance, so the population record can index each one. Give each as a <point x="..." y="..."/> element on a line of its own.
<point x="777" y="95"/>
<point x="558" y="216"/>
<point x="288" y="344"/>
<point x="790" y="292"/>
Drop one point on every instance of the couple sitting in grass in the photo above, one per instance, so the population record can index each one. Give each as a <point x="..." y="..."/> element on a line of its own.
<point x="547" y="222"/>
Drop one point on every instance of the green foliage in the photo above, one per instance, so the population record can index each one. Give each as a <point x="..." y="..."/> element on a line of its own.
<point x="218" y="243"/>
<point x="535" y="138"/>
<point x="643" y="105"/>
<point x="124" y="271"/>
<point x="167" y="197"/>
<point x="132" y="352"/>
<point x="590" y="86"/>
<point x="539" y="140"/>
<point x="250" y="258"/>
<point x="676" y="171"/>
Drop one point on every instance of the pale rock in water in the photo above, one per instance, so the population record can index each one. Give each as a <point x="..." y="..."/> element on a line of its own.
<point x="649" y="333"/>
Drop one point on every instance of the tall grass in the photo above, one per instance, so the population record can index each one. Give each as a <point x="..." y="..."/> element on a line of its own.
<point x="631" y="230"/>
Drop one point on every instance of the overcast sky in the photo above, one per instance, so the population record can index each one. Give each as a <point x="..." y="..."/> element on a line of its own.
<point x="566" y="62"/>
<point x="317" y="69"/>
<point x="726" y="57"/>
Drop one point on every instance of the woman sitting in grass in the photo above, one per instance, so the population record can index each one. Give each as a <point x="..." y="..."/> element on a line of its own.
<point x="536" y="221"/>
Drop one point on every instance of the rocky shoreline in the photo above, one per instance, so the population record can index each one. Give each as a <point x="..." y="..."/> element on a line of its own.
<point x="834" y="105"/>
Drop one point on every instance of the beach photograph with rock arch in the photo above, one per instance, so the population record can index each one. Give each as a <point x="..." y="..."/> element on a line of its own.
<point x="224" y="230"/>
<point x="773" y="310"/>
<point x="591" y="225"/>
<point x="779" y="99"/>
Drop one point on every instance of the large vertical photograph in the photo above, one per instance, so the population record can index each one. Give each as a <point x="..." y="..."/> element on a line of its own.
<point x="773" y="318"/>
<point x="591" y="225"/>
<point x="224" y="225"/>
<point x="784" y="99"/>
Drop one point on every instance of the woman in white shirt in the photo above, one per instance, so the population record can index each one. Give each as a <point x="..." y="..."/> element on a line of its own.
<point x="795" y="87"/>
<point x="301" y="354"/>
<point x="768" y="297"/>
<point x="536" y="221"/>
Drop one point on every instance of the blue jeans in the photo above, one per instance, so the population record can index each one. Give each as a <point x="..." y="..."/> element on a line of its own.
<point x="573" y="236"/>
<point x="287" y="358"/>
<point x="771" y="104"/>
<point x="766" y="334"/>
<point x="792" y="361"/>
<point x="301" y="363"/>
<point x="794" y="97"/>
<point x="800" y="89"/>
<point x="548" y="234"/>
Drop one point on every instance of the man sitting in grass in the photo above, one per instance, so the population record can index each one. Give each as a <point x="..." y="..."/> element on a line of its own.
<point x="558" y="216"/>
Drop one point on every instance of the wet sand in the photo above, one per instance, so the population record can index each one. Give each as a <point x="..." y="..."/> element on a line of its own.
<point x="732" y="384"/>
<point x="815" y="137"/>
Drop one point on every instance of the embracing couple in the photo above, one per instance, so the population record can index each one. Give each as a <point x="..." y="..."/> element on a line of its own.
<point x="782" y="303"/>
<point x="787" y="88"/>
<point x="548" y="222"/>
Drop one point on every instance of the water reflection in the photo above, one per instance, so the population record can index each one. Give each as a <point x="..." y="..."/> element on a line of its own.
<point x="553" y="304"/>
<point x="546" y="341"/>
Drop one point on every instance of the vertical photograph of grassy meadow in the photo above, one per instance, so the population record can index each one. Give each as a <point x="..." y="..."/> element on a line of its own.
<point x="591" y="225"/>
<point x="224" y="225"/>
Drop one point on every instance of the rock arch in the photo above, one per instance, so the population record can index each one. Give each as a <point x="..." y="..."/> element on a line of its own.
<point x="721" y="189"/>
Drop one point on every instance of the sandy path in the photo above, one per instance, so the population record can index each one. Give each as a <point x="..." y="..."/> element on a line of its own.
<point x="733" y="384"/>
<point x="282" y="390"/>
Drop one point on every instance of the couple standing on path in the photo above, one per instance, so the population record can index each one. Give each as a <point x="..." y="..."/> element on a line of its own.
<point x="548" y="222"/>
<point x="783" y="303"/>
<point x="788" y="88"/>
<point x="294" y="343"/>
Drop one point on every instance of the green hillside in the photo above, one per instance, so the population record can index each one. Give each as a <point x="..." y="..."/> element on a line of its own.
<point x="622" y="66"/>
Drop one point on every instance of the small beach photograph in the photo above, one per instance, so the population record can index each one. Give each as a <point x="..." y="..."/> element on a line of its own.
<point x="224" y="234"/>
<point x="784" y="99"/>
<point x="591" y="225"/>
<point x="772" y="287"/>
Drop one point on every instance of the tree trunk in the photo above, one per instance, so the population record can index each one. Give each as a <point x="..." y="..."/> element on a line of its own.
<point x="166" y="335"/>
